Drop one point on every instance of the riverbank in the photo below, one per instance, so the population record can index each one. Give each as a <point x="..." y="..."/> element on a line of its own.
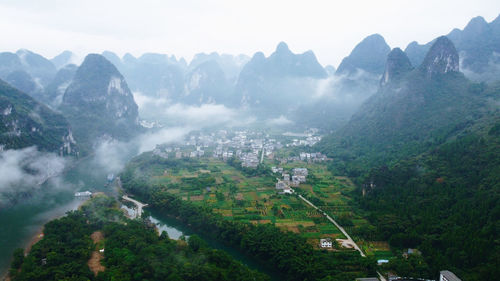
<point x="36" y="232"/>
<point x="39" y="234"/>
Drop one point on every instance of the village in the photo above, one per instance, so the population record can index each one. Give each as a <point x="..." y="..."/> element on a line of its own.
<point x="249" y="147"/>
<point x="286" y="156"/>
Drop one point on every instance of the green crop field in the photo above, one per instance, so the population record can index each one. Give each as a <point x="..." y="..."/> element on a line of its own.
<point x="236" y="195"/>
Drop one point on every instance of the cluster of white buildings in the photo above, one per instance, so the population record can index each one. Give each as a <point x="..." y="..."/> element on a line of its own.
<point x="310" y="140"/>
<point x="312" y="157"/>
<point x="308" y="157"/>
<point x="283" y="186"/>
<point x="249" y="147"/>
<point x="177" y="153"/>
<point x="249" y="160"/>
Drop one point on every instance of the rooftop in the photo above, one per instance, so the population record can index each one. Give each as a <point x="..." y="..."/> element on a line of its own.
<point x="449" y="276"/>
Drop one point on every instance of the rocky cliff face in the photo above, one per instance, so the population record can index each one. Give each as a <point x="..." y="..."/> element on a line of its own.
<point x="25" y="122"/>
<point x="396" y="66"/>
<point x="478" y="46"/>
<point x="99" y="103"/>
<point x="206" y="83"/>
<point x="441" y="58"/>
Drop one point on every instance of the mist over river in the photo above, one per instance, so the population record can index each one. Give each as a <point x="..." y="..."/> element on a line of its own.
<point x="21" y="222"/>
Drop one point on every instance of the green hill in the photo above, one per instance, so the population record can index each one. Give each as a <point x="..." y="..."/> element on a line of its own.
<point x="26" y="122"/>
<point x="425" y="150"/>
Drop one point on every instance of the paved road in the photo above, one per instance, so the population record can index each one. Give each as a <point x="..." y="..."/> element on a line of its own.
<point x="137" y="203"/>
<point x="381" y="277"/>
<point x="349" y="239"/>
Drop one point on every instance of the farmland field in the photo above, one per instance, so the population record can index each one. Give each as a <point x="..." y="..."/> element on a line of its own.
<point x="239" y="196"/>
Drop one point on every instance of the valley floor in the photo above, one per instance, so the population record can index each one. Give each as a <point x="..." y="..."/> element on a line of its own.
<point x="321" y="208"/>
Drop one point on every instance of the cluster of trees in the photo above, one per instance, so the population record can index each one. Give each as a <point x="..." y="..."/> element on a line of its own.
<point x="435" y="174"/>
<point x="446" y="203"/>
<point x="136" y="252"/>
<point x="133" y="251"/>
<point x="61" y="255"/>
<point x="283" y="252"/>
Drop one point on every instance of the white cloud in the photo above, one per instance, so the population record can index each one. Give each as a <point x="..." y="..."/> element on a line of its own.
<point x="280" y="121"/>
<point x="27" y="168"/>
<point x="146" y="102"/>
<point x="111" y="156"/>
<point x="203" y="115"/>
<point x="190" y="116"/>
<point x="149" y="140"/>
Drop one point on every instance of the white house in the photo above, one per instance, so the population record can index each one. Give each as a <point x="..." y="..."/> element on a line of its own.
<point x="281" y="185"/>
<point x="300" y="172"/>
<point x="325" y="243"/>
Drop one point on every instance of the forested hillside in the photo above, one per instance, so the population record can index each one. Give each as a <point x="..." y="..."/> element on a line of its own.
<point x="426" y="152"/>
<point x="25" y="122"/>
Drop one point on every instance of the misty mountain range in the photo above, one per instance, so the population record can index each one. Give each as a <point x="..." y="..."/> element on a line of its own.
<point x="293" y="87"/>
<point x="417" y="130"/>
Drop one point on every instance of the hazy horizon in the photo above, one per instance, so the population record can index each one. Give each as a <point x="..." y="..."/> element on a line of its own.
<point x="184" y="29"/>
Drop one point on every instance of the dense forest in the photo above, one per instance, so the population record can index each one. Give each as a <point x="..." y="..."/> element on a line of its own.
<point x="284" y="252"/>
<point x="446" y="203"/>
<point x="133" y="251"/>
<point x="439" y="193"/>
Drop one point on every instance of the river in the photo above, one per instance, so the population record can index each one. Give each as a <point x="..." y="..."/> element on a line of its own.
<point x="20" y="223"/>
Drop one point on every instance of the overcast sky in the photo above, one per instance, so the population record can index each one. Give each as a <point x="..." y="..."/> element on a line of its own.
<point x="185" y="27"/>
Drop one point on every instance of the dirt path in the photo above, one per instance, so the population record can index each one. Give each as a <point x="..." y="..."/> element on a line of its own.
<point x="94" y="262"/>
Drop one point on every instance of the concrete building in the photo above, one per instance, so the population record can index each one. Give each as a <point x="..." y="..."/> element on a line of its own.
<point x="281" y="185"/>
<point x="300" y="179"/>
<point x="325" y="243"/>
<point x="300" y="172"/>
<point x="446" y="275"/>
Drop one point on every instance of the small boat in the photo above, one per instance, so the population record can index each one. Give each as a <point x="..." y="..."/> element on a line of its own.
<point x="110" y="177"/>
<point x="83" y="194"/>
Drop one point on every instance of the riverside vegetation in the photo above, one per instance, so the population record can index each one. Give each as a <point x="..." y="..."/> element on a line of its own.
<point x="133" y="251"/>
